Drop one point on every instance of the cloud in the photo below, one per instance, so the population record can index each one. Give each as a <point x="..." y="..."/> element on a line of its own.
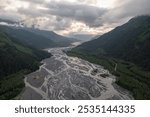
<point x="135" y="7"/>
<point x="31" y="13"/>
<point x="73" y="16"/>
<point x="126" y="10"/>
<point x="90" y="15"/>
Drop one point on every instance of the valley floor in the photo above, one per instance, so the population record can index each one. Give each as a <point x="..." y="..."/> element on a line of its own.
<point x="63" y="77"/>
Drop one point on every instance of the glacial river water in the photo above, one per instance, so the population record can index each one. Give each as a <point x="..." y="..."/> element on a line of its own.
<point x="70" y="78"/>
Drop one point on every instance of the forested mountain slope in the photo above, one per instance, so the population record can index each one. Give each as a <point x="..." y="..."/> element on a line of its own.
<point x="59" y="40"/>
<point x="27" y="38"/>
<point x="16" y="60"/>
<point x="130" y="42"/>
<point x="34" y="37"/>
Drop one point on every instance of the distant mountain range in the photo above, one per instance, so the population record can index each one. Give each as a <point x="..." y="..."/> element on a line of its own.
<point x="82" y="37"/>
<point x="58" y="40"/>
<point x="34" y="37"/>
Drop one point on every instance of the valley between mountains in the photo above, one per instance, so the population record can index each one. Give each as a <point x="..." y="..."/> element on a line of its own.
<point x="42" y="65"/>
<point x="63" y="77"/>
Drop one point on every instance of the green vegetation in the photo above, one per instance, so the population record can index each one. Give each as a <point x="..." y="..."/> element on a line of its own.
<point x="11" y="86"/>
<point x="129" y="76"/>
<point x="16" y="60"/>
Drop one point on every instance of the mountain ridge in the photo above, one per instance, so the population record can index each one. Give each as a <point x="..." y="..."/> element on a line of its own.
<point x="127" y="42"/>
<point x="37" y="38"/>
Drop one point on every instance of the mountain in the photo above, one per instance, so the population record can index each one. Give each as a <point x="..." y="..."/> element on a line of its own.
<point x="27" y="38"/>
<point x="130" y="42"/>
<point x="16" y="60"/>
<point x="60" y="41"/>
<point x="82" y="37"/>
<point x="8" y="21"/>
<point x="125" y="52"/>
<point x="36" y="38"/>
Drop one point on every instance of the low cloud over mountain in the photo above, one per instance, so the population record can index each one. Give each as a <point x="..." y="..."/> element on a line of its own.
<point x="72" y="16"/>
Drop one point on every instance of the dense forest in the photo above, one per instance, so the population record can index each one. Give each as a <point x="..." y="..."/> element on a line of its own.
<point x="128" y="48"/>
<point x="16" y="60"/>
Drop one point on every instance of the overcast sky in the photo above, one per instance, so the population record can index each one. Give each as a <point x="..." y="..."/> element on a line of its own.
<point x="68" y="17"/>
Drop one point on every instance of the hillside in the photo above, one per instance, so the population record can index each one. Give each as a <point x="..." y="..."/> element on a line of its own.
<point x="27" y="38"/>
<point x="34" y="37"/>
<point x="16" y="60"/>
<point x="60" y="41"/>
<point x="125" y="52"/>
<point x="130" y="42"/>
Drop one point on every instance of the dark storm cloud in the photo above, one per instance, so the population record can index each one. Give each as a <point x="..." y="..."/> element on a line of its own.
<point x="61" y="23"/>
<point x="90" y="15"/>
<point x="31" y="13"/>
